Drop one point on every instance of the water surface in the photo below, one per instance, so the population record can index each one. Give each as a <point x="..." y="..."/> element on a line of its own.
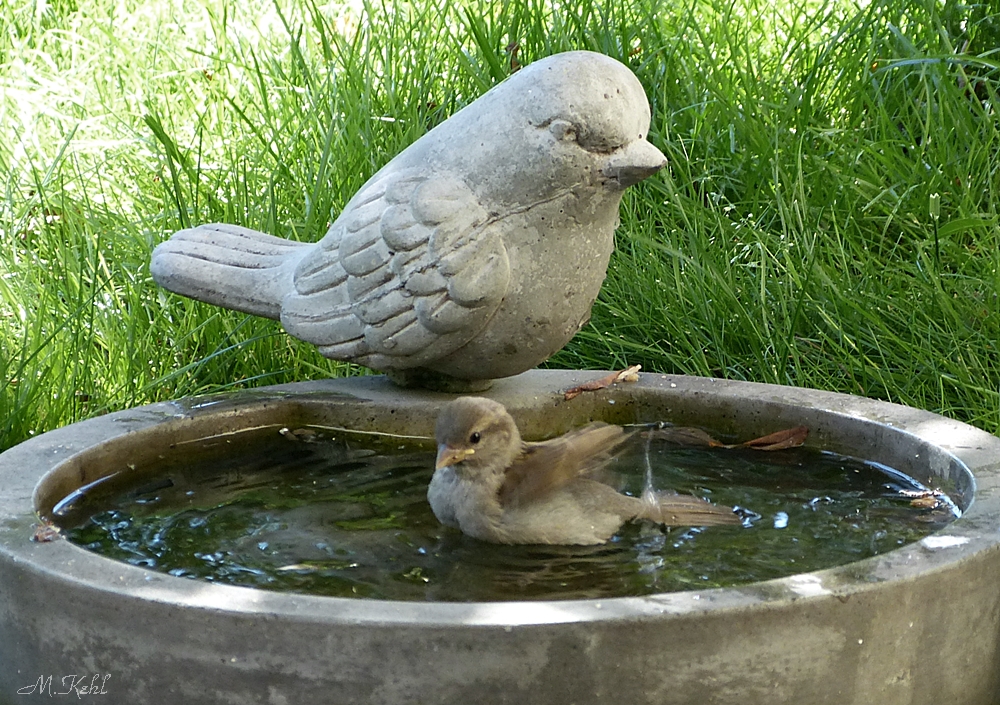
<point x="336" y="513"/>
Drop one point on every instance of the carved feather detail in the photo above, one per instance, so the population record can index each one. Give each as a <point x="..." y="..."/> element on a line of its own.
<point x="418" y="267"/>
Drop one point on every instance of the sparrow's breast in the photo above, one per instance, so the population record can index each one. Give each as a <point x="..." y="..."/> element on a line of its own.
<point x="464" y="503"/>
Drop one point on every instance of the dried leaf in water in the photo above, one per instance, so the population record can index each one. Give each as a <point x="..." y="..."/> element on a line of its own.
<point x="924" y="499"/>
<point x="914" y="494"/>
<point x="686" y="436"/>
<point x="299" y="434"/>
<point x="695" y="437"/>
<point x="780" y="440"/>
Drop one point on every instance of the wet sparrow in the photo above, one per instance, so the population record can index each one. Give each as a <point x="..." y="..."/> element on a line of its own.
<point x="496" y="487"/>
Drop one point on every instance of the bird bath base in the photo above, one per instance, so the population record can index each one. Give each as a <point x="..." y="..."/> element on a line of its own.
<point x="915" y="625"/>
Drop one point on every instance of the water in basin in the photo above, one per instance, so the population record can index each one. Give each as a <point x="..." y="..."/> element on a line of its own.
<point x="331" y="512"/>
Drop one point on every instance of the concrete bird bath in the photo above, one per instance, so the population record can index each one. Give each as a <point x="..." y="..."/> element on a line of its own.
<point x="475" y="254"/>
<point x="916" y="625"/>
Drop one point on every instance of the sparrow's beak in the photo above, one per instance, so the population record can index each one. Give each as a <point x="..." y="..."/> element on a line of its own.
<point x="450" y="456"/>
<point x="633" y="163"/>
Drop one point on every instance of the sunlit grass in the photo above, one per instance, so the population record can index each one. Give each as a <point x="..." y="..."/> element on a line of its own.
<point x="828" y="219"/>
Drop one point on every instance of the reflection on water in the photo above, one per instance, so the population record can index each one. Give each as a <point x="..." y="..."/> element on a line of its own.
<point x="340" y="514"/>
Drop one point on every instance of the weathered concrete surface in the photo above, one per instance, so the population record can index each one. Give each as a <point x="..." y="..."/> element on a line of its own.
<point x="476" y="253"/>
<point x="917" y="625"/>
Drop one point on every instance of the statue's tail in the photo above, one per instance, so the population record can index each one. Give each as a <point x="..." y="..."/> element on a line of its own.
<point x="228" y="266"/>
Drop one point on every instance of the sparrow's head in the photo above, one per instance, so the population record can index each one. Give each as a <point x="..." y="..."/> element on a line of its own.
<point x="474" y="433"/>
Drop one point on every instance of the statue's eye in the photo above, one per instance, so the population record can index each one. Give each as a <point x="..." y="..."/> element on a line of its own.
<point x="474" y="438"/>
<point x="562" y="130"/>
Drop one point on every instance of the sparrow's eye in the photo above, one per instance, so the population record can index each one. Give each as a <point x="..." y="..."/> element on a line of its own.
<point x="474" y="438"/>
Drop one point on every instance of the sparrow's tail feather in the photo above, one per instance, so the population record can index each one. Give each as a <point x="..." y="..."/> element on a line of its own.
<point x="228" y="266"/>
<point x="684" y="510"/>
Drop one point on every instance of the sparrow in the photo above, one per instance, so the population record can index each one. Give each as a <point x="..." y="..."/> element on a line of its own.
<point x="495" y="487"/>
<point x="476" y="253"/>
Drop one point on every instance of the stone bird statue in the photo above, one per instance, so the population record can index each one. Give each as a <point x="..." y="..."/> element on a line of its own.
<point x="495" y="487"/>
<point x="476" y="253"/>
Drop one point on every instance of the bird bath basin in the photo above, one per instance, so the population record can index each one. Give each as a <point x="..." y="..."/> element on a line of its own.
<point x="918" y="624"/>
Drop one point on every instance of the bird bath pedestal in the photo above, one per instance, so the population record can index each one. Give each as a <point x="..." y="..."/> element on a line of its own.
<point x="915" y="625"/>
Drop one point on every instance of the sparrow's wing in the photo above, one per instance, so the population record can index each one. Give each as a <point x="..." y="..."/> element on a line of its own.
<point x="544" y="467"/>
<point x="411" y="270"/>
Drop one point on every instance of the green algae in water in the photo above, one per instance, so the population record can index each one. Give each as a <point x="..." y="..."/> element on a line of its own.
<point x="342" y="514"/>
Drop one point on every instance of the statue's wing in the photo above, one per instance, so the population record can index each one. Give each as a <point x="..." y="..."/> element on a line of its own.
<point x="410" y="271"/>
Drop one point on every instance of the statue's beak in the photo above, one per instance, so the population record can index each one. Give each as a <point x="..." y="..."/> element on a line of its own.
<point x="633" y="163"/>
<point x="450" y="456"/>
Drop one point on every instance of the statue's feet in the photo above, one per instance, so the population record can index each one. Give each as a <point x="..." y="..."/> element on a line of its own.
<point x="437" y="381"/>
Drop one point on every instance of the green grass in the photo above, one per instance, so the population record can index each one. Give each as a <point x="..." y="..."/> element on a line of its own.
<point x="829" y="217"/>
